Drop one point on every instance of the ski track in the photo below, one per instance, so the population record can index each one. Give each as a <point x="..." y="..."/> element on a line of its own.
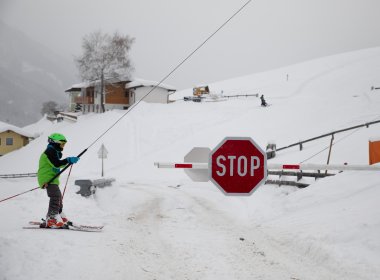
<point x="166" y="234"/>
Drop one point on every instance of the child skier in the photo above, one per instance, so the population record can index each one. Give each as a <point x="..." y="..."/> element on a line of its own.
<point x="49" y="165"/>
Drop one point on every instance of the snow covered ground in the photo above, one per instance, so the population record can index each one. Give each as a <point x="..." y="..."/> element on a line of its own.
<point x="161" y="225"/>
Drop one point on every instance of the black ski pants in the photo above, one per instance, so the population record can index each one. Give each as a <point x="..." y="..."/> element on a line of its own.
<point x="55" y="203"/>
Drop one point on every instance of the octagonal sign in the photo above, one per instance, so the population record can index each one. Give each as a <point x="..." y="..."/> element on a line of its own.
<point x="238" y="165"/>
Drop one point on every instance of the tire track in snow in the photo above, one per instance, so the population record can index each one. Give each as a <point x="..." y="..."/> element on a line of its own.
<point x="186" y="233"/>
<point x="180" y="236"/>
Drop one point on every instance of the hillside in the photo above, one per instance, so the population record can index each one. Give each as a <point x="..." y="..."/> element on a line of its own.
<point x="161" y="225"/>
<point x="30" y="74"/>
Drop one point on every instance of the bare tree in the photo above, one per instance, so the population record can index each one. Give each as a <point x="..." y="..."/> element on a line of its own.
<point x="105" y="58"/>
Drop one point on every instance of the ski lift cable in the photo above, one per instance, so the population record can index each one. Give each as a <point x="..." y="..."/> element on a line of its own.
<point x="170" y="73"/>
<point x="138" y="102"/>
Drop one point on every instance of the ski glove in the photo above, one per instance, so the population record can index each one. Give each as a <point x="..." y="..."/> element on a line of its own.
<point x="72" y="159"/>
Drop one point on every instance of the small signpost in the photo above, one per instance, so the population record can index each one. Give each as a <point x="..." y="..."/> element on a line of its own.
<point x="102" y="153"/>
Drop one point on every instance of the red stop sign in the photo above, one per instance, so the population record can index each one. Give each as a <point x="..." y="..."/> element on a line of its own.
<point x="238" y="165"/>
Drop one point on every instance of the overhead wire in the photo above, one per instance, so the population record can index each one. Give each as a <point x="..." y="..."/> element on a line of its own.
<point x="171" y="72"/>
<point x="146" y="95"/>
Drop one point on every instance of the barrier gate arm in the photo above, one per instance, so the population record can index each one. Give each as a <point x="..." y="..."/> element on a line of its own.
<point x="195" y="165"/>
<point x="278" y="166"/>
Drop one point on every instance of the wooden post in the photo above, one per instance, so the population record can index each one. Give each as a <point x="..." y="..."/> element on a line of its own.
<point x="328" y="157"/>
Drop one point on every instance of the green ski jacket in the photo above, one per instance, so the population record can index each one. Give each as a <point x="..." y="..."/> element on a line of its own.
<point x="50" y="164"/>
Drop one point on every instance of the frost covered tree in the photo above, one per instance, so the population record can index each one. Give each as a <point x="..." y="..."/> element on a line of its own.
<point x="105" y="58"/>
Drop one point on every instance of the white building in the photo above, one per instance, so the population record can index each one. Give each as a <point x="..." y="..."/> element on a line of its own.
<point x="142" y="88"/>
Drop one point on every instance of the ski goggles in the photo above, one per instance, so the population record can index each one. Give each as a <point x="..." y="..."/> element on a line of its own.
<point x="59" y="142"/>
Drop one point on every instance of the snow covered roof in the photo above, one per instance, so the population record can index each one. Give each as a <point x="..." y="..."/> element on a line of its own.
<point x="374" y="138"/>
<point x="78" y="87"/>
<point x="126" y="79"/>
<point x="136" y="83"/>
<point x="6" y="127"/>
<point x="131" y="83"/>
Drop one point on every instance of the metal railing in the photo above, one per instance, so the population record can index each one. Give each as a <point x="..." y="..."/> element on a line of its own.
<point x="22" y="175"/>
<point x="300" y="143"/>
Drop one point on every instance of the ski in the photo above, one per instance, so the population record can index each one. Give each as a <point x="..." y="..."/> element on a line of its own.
<point x="64" y="228"/>
<point x="85" y="226"/>
<point x="69" y="225"/>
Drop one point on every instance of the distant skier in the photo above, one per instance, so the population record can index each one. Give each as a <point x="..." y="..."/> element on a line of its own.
<point x="49" y="165"/>
<point x="263" y="102"/>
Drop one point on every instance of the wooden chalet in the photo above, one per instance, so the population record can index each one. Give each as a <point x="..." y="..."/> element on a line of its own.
<point x="122" y="94"/>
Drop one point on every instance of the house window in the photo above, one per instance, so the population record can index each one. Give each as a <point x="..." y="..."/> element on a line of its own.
<point x="9" y="141"/>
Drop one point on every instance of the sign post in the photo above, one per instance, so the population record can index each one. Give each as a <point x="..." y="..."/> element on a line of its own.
<point x="238" y="166"/>
<point x="102" y="153"/>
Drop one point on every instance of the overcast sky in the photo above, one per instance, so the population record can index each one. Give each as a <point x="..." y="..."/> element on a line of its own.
<point x="267" y="34"/>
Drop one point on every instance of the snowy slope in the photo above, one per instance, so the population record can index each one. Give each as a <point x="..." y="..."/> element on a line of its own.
<point x="161" y="225"/>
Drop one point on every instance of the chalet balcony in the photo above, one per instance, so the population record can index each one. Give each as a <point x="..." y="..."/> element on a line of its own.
<point x="83" y="100"/>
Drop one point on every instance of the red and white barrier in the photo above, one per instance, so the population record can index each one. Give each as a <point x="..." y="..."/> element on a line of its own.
<point x="195" y="165"/>
<point x="277" y="166"/>
<point x="313" y="166"/>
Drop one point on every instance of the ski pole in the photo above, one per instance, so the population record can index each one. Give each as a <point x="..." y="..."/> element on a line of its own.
<point x="67" y="166"/>
<point x="18" y="194"/>
<point x="68" y="176"/>
<point x="51" y="180"/>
